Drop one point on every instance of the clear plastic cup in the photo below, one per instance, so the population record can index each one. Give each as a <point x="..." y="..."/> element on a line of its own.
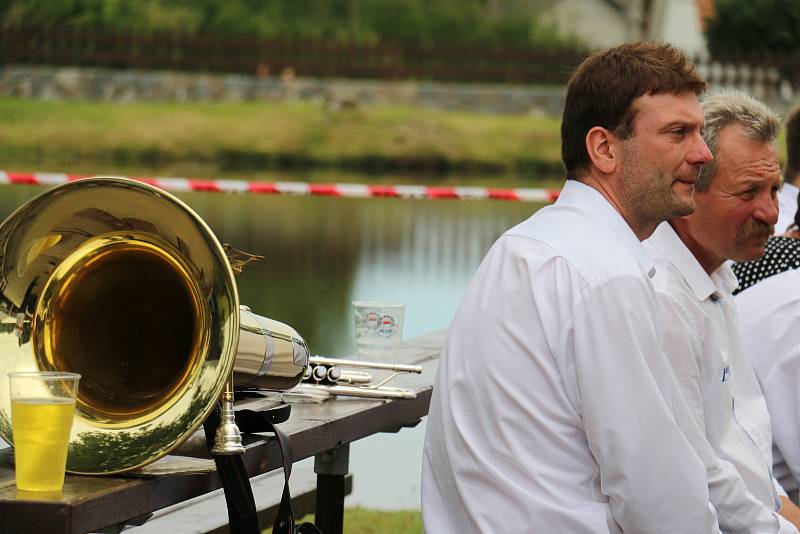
<point x="379" y="330"/>
<point x="42" y="411"/>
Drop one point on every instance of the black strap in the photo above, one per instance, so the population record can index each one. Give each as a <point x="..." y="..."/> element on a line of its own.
<point x="250" y="421"/>
<point x="242" y="511"/>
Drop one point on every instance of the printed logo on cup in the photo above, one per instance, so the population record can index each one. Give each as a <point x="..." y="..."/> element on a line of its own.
<point x="372" y="319"/>
<point x="386" y="325"/>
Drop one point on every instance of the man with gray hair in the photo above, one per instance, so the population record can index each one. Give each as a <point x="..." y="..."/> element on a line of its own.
<point x="736" y="199"/>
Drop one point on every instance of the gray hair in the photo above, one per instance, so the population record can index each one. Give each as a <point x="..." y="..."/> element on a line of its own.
<point x="729" y="108"/>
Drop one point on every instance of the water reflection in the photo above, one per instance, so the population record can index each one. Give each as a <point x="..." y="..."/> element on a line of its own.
<point x="323" y="253"/>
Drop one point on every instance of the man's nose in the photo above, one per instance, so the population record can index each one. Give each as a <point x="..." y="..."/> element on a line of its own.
<point x="700" y="153"/>
<point x="767" y="209"/>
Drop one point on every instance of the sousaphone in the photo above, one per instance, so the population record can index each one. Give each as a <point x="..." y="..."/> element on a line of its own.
<point x="126" y="285"/>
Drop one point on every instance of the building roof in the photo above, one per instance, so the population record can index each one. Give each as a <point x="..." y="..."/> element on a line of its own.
<point x="705" y="10"/>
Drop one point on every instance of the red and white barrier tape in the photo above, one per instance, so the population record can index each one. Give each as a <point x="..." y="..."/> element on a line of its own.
<point x="300" y="188"/>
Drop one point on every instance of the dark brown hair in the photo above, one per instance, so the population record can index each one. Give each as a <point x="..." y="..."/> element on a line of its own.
<point x="792" y="145"/>
<point x="601" y="90"/>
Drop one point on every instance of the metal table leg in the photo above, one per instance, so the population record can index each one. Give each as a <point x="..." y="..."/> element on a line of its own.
<point x="331" y="467"/>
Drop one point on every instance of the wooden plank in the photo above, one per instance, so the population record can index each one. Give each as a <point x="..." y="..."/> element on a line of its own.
<point x="91" y="503"/>
<point x="95" y="498"/>
<point x="208" y="513"/>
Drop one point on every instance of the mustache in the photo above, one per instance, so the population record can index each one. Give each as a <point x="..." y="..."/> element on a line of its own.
<point x="755" y="229"/>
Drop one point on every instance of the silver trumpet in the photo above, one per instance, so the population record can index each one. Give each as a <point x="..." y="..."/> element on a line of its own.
<point x="335" y="376"/>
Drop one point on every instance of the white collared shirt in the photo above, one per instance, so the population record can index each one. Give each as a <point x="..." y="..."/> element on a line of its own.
<point x="554" y="409"/>
<point x="769" y="312"/>
<point x="701" y="338"/>
<point x="787" y="207"/>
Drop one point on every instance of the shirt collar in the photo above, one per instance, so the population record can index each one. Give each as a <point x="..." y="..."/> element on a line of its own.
<point x="721" y="282"/>
<point x="589" y="201"/>
<point x="725" y="278"/>
<point x="790" y="189"/>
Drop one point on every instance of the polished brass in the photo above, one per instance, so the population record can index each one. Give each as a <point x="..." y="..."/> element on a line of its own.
<point x="149" y="289"/>
<point x="271" y="355"/>
<point x="126" y="285"/>
<point x="239" y="260"/>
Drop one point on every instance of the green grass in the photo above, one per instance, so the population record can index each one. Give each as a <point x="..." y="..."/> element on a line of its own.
<point x="363" y="521"/>
<point x="398" y="144"/>
<point x="274" y="135"/>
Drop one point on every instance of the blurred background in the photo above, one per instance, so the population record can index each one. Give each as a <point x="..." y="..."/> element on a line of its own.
<point x="427" y="92"/>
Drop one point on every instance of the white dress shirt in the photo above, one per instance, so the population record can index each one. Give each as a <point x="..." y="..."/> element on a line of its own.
<point x="770" y="316"/>
<point x="554" y="409"/>
<point x="701" y="337"/>
<point x="787" y="207"/>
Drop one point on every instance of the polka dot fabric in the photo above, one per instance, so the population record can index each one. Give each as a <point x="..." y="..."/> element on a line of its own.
<point x="782" y="254"/>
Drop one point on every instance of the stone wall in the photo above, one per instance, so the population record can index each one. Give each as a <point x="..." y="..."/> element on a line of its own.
<point x="109" y="85"/>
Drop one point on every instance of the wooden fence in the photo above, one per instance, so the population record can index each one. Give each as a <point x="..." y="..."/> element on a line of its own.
<point x="771" y="78"/>
<point x="98" y="48"/>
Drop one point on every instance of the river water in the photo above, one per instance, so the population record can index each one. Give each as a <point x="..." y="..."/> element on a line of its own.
<point x="323" y="253"/>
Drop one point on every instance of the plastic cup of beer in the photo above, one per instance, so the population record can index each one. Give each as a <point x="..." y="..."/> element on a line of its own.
<point x="42" y="410"/>
<point x="379" y="330"/>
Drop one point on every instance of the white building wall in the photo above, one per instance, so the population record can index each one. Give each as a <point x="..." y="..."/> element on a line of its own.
<point x="595" y="22"/>
<point x="678" y="22"/>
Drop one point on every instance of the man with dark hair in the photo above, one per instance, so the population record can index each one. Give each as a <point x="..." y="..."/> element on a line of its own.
<point x="554" y="409"/>
<point x="736" y="197"/>
<point x="787" y="199"/>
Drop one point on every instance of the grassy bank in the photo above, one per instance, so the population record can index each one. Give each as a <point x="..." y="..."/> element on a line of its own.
<point x="278" y="136"/>
<point x="363" y="521"/>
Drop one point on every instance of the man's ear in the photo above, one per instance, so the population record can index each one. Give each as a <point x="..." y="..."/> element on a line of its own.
<point x="603" y="149"/>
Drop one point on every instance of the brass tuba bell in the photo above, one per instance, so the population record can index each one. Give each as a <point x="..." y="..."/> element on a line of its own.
<point x="126" y="285"/>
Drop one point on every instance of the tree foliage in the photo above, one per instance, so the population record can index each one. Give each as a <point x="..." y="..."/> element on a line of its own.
<point x="745" y="26"/>
<point x="498" y="22"/>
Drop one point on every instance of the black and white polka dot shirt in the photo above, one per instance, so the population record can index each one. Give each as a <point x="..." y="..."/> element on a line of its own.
<point x="782" y="254"/>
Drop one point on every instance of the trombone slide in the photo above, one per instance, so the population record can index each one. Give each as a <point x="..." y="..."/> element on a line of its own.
<point x="341" y="362"/>
<point x="382" y="392"/>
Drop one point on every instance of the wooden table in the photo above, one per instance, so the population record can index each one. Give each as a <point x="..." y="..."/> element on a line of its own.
<point x="324" y="431"/>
